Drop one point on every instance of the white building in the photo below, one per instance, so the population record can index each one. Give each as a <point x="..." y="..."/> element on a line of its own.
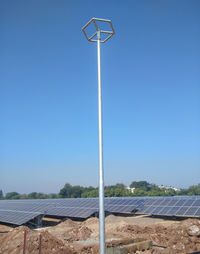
<point x="168" y="188"/>
<point x="130" y="189"/>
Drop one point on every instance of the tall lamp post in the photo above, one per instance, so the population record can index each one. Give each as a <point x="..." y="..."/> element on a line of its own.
<point x="96" y="37"/>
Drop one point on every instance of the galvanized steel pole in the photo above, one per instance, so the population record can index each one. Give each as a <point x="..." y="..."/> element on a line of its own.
<point x="96" y="37"/>
<point x="101" y="176"/>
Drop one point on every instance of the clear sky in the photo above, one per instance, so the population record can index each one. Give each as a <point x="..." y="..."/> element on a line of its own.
<point x="48" y="94"/>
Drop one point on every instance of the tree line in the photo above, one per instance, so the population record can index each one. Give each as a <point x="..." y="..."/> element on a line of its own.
<point x="136" y="189"/>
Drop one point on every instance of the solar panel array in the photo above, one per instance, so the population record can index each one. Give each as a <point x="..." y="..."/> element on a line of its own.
<point x="176" y="206"/>
<point x="21" y="211"/>
<point x="72" y="207"/>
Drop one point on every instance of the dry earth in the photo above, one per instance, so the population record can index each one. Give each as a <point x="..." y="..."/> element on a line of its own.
<point x="72" y="237"/>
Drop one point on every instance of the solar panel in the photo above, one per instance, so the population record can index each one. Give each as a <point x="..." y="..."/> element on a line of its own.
<point x="73" y="212"/>
<point x="182" y="210"/>
<point x="191" y="210"/>
<point x="197" y="212"/>
<point x="16" y="217"/>
<point x="172" y="206"/>
<point x="22" y="211"/>
<point x="196" y="203"/>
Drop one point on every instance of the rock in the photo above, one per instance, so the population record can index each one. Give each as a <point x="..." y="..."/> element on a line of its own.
<point x="194" y="230"/>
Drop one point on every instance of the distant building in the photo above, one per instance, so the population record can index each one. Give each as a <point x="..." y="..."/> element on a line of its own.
<point x="130" y="189"/>
<point x="168" y="188"/>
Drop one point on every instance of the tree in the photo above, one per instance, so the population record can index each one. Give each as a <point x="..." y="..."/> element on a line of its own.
<point x="140" y="192"/>
<point x="170" y="192"/>
<point x="118" y="190"/>
<point x="66" y="191"/>
<point x="141" y="185"/>
<point x="90" y="194"/>
<point x="1" y="194"/>
<point x="41" y="196"/>
<point x="32" y="195"/>
<point x="12" y="195"/>
<point x="23" y="196"/>
<point x="194" y="190"/>
<point x="77" y="191"/>
<point x="52" y="195"/>
<point x="120" y="186"/>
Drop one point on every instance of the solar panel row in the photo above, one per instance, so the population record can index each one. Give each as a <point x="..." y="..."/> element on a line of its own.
<point x="171" y="210"/>
<point x="21" y="211"/>
<point x="16" y="217"/>
<point x="81" y="208"/>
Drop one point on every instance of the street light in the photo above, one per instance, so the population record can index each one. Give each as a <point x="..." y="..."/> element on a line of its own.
<point x="96" y="37"/>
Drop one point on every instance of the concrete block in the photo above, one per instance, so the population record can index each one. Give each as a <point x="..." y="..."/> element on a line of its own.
<point x="116" y="250"/>
<point x="141" y="246"/>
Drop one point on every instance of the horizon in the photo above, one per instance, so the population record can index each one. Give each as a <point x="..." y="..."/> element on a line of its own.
<point x="127" y="186"/>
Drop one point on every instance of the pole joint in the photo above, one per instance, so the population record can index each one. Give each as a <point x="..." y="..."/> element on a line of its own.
<point x="98" y="35"/>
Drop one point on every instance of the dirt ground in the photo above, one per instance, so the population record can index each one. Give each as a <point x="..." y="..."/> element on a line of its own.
<point x="4" y="229"/>
<point x="72" y="237"/>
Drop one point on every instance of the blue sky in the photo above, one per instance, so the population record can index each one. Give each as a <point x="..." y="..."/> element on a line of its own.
<point x="48" y="94"/>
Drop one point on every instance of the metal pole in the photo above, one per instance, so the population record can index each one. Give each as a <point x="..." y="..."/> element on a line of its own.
<point x="92" y="38"/>
<point x="40" y="243"/>
<point x="24" y="248"/>
<point x="101" y="177"/>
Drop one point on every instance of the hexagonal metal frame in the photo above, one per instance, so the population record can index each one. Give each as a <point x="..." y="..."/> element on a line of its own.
<point x="93" y="20"/>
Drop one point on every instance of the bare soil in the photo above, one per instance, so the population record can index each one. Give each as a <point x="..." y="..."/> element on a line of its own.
<point x="4" y="229"/>
<point x="71" y="237"/>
